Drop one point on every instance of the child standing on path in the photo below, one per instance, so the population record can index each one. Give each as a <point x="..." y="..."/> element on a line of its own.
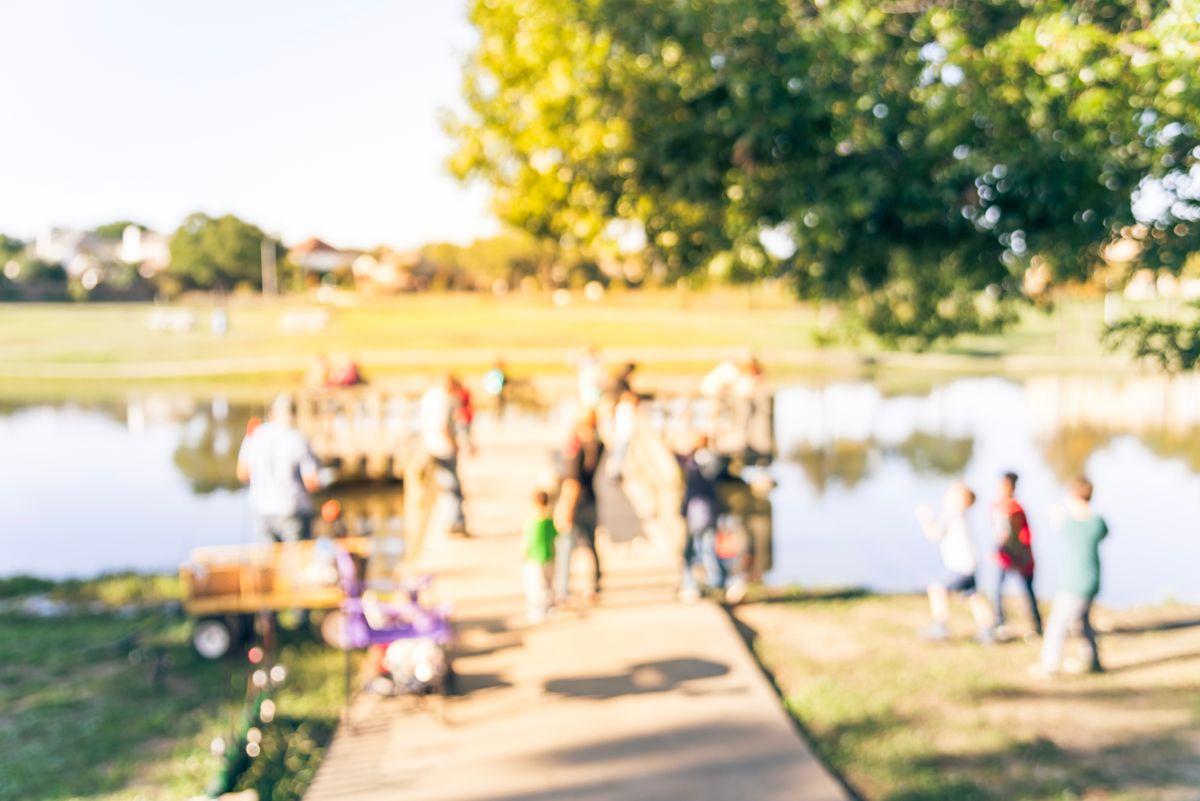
<point x="952" y="532"/>
<point x="1014" y="549"/>
<point x="1082" y="532"/>
<point x="539" y="558"/>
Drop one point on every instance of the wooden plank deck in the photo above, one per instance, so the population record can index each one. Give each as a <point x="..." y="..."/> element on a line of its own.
<point x="638" y="697"/>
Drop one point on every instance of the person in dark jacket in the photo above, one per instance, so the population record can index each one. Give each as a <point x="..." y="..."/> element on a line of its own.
<point x="701" y="469"/>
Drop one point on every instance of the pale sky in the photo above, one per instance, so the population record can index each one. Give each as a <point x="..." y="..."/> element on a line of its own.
<point x="305" y="117"/>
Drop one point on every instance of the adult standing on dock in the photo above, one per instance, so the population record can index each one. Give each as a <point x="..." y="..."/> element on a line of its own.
<point x="278" y="463"/>
<point x="578" y="511"/>
<point x="439" y="435"/>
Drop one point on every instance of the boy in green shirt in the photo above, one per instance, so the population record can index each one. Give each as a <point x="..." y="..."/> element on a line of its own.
<point x="1080" y="583"/>
<point x="539" y="558"/>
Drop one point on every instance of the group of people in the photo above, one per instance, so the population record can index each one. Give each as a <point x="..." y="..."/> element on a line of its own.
<point x="278" y="463"/>
<point x="340" y="371"/>
<point x="1082" y="532"/>
<point x="558" y="527"/>
<point x="565" y="522"/>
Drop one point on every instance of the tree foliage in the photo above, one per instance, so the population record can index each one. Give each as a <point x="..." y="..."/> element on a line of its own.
<point x="116" y="229"/>
<point x="1172" y="344"/>
<point x="218" y="252"/>
<point x="902" y="156"/>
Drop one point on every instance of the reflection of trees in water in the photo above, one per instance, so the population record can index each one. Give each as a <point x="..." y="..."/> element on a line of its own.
<point x="848" y="462"/>
<point x="208" y="446"/>
<point x="1175" y="444"/>
<point x="844" y="461"/>
<point x="1067" y="450"/>
<point x="937" y="454"/>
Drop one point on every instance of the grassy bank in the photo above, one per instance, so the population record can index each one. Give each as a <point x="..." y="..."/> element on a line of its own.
<point x="905" y="720"/>
<point x="116" y="706"/>
<point x="666" y="331"/>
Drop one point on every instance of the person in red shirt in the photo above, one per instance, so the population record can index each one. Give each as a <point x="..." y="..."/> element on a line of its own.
<point x="464" y="414"/>
<point x="1014" y="548"/>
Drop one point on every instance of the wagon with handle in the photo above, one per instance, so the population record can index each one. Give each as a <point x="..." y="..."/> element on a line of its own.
<point x="224" y="587"/>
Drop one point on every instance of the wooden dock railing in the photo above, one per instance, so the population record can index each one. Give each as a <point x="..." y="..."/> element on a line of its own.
<point x="365" y="432"/>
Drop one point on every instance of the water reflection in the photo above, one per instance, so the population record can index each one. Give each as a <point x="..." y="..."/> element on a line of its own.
<point x="136" y="485"/>
<point x="208" y="446"/>
<point x="858" y="461"/>
<point x="843" y="462"/>
<point x="85" y="491"/>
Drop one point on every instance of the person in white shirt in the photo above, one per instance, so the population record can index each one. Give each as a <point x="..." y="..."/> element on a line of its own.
<point x="624" y="419"/>
<point x="589" y="376"/>
<point x="278" y="464"/>
<point x="952" y="531"/>
<point x="439" y="436"/>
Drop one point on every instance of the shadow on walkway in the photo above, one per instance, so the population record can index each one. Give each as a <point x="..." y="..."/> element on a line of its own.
<point x="647" y="677"/>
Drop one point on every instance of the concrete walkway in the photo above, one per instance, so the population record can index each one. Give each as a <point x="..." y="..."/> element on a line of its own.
<point x="638" y="697"/>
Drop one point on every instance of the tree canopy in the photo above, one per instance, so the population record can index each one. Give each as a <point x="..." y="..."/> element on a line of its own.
<point x="220" y="252"/>
<point x="116" y="229"/>
<point x="910" y="157"/>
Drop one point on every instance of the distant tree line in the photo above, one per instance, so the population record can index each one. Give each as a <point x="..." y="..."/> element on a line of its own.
<point x="224" y="254"/>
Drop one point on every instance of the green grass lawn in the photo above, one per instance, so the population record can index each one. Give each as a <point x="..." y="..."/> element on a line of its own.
<point x="905" y="720"/>
<point x="81" y="715"/>
<point x="666" y="331"/>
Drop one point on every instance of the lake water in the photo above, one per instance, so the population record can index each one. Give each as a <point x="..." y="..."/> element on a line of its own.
<point x="137" y="484"/>
<point x="855" y="463"/>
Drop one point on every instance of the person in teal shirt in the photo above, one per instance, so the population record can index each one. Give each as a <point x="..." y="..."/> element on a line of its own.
<point x="1082" y="533"/>
<point x="539" y="558"/>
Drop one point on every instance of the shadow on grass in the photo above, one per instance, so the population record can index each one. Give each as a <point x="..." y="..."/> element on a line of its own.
<point x="1041" y="770"/>
<point x="1156" y="626"/>
<point x="801" y="595"/>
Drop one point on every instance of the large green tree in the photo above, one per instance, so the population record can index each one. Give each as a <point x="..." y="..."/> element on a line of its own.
<point x="217" y="252"/>
<point x="902" y="156"/>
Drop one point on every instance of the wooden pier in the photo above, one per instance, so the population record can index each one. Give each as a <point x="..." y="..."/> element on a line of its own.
<point x="636" y="697"/>
<point x="371" y="432"/>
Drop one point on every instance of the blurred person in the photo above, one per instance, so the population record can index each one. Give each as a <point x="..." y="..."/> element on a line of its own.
<point x="1082" y="532"/>
<point x="439" y="435"/>
<point x="751" y="377"/>
<point x="538" y="550"/>
<point x="495" y="384"/>
<point x="720" y="380"/>
<point x="278" y="463"/>
<point x="332" y="523"/>
<point x="344" y="372"/>
<point x="1014" y="549"/>
<point x="317" y="374"/>
<point x="622" y="381"/>
<point x="578" y="508"/>
<point x="624" y="419"/>
<point x="738" y="392"/>
<point x="952" y="531"/>
<point x="464" y="415"/>
<point x="589" y="375"/>
<point x="701" y="469"/>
